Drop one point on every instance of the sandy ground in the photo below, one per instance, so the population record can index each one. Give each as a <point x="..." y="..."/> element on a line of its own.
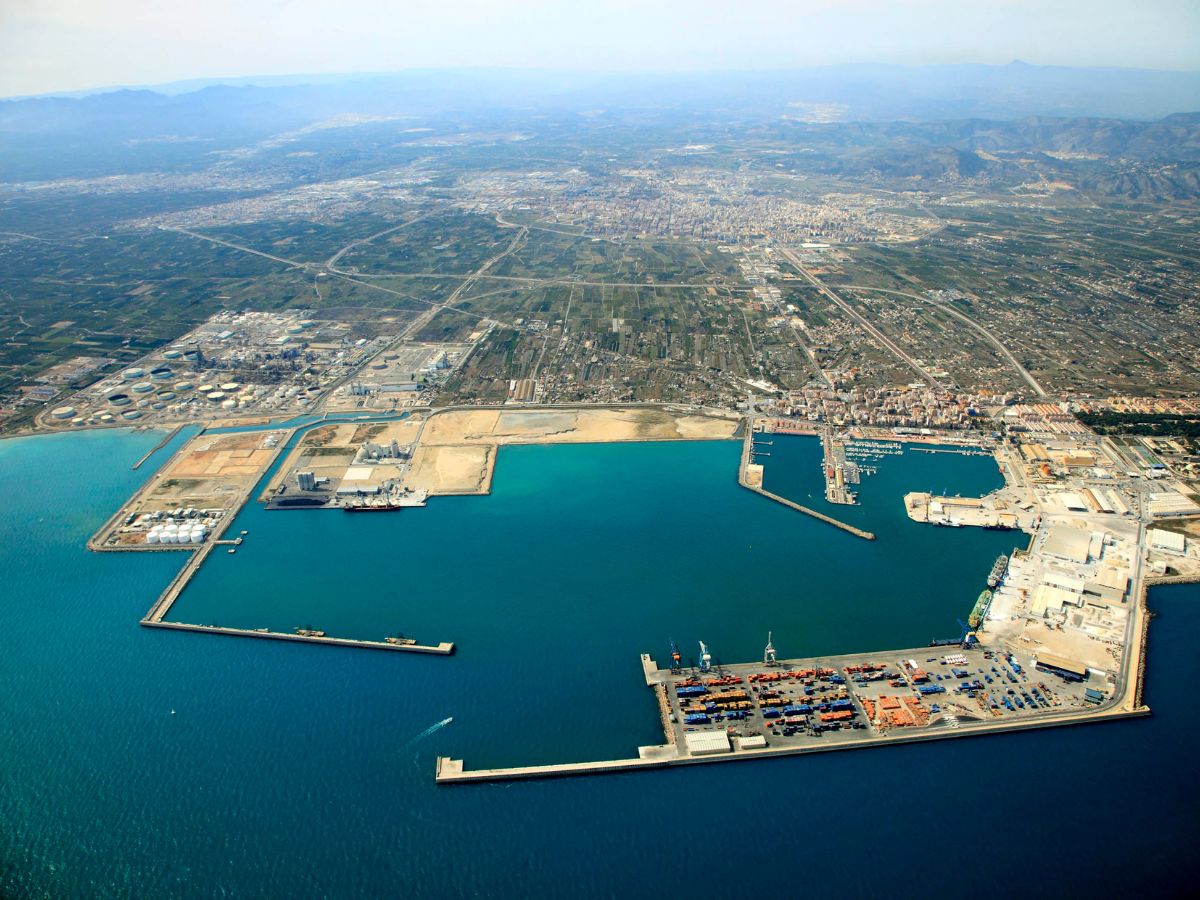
<point x="1073" y="644"/>
<point x="571" y="426"/>
<point x="457" y="449"/>
<point x="209" y="472"/>
<point x="452" y="469"/>
<point x="228" y="458"/>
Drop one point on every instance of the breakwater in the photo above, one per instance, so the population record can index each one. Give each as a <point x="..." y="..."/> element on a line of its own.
<point x="755" y="485"/>
<point x="167" y="438"/>
<point x="1143" y="610"/>
<point x="155" y="617"/>
<point x="445" y="648"/>
<point x="956" y="716"/>
<point x="453" y="771"/>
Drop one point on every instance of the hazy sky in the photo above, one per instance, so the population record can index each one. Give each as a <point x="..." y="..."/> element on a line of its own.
<point x="49" y="45"/>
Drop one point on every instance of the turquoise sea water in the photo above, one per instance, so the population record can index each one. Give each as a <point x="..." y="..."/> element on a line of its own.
<point x="293" y="770"/>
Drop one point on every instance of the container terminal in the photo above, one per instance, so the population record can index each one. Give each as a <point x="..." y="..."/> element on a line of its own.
<point x="782" y="707"/>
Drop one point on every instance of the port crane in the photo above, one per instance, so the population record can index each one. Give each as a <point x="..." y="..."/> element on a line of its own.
<point x="705" y="658"/>
<point x="966" y="637"/>
<point x="675" y="658"/>
<point x="769" y="653"/>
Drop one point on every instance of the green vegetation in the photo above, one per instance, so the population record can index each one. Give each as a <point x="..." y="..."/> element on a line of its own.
<point x="1143" y="424"/>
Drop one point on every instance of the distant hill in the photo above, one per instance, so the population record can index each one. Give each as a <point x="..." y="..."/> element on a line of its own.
<point x="859" y="92"/>
<point x="931" y="122"/>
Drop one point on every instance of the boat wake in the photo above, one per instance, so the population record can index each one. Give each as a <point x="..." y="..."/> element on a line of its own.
<point x="431" y="729"/>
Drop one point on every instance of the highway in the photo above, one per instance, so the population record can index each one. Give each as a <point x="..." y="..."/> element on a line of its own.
<point x="950" y="310"/>
<point x="477" y="275"/>
<point x="883" y="340"/>
<point x="331" y="263"/>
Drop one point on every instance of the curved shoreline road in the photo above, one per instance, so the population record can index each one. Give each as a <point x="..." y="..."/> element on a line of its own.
<point x="962" y="317"/>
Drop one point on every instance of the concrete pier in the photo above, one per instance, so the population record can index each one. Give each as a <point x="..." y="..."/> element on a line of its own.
<point x="835" y="469"/>
<point x="443" y="649"/>
<point x="857" y="532"/>
<point x="745" y="479"/>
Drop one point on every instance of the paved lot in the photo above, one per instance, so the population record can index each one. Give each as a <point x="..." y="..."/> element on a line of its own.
<point x="800" y="703"/>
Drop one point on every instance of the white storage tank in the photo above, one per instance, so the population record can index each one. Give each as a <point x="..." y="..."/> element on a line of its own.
<point x="152" y="537"/>
<point x="63" y="412"/>
<point x="143" y="387"/>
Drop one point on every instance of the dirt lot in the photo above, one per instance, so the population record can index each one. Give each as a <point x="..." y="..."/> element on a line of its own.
<point x="456" y="469"/>
<point x="571" y="426"/>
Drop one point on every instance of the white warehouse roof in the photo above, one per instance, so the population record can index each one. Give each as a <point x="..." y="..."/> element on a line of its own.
<point x="1167" y="540"/>
<point x="1068" y="543"/>
<point x="700" y="743"/>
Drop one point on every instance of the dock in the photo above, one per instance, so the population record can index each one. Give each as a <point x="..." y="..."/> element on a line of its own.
<point x="998" y="510"/>
<point x="883" y="698"/>
<point x="838" y="471"/>
<point x="964" y="451"/>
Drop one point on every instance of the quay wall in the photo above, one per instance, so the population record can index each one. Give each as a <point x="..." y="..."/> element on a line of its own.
<point x="450" y="771"/>
<point x="443" y="649"/>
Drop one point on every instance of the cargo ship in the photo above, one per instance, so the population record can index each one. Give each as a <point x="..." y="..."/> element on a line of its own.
<point x="981" y="605"/>
<point x="373" y="507"/>
<point x="998" y="570"/>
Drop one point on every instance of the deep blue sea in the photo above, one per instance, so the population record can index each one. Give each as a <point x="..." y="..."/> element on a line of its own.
<point x="307" y="771"/>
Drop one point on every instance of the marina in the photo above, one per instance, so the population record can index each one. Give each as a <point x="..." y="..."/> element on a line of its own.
<point x="750" y="476"/>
